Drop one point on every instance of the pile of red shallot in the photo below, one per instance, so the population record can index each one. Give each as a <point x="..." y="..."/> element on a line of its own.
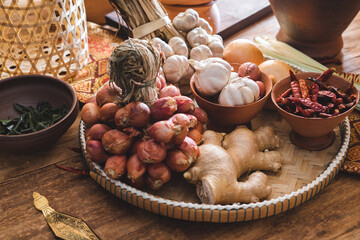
<point x="139" y="144"/>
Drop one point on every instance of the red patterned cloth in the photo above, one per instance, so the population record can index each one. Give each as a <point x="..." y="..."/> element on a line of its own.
<point x="101" y="43"/>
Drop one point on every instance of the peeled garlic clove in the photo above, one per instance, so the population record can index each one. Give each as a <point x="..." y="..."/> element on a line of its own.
<point x="200" y="52"/>
<point x="164" y="47"/>
<point x="197" y="36"/>
<point x="175" y="68"/>
<point x="179" y="46"/>
<point x="186" y="21"/>
<point x="204" y="25"/>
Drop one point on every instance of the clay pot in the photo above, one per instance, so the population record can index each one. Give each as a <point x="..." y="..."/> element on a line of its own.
<point x="312" y="133"/>
<point x="232" y="116"/>
<point x="314" y="26"/>
<point x="208" y="10"/>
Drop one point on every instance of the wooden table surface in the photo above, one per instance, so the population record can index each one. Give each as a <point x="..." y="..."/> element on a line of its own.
<point x="333" y="214"/>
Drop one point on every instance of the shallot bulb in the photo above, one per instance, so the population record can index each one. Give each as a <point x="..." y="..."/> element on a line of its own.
<point x="135" y="168"/>
<point x="158" y="175"/>
<point x="151" y="151"/>
<point x="90" y="114"/>
<point x="164" y="131"/>
<point x="95" y="151"/>
<point x="108" y="111"/>
<point x="195" y="135"/>
<point x="177" y="161"/>
<point x="116" y="142"/>
<point x="135" y="114"/>
<point x="108" y="93"/>
<point x="184" y="104"/>
<point x="200" y="115"/>
<point x="169" y="91"/>
<point x="163" y="108"/>
<point x="115" y="166"/>
<point x="97" y="131"/>
<point x="190" y="149"/>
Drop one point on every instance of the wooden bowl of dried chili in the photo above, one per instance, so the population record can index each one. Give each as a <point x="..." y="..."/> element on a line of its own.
<point x="36" y="110"/>
<point x="314" y="104"/>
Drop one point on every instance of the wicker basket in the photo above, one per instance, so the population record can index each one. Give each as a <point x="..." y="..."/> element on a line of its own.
<point x="42" y="37"/>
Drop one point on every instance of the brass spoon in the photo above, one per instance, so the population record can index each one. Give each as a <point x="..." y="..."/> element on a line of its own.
<point x="63" y="226"/>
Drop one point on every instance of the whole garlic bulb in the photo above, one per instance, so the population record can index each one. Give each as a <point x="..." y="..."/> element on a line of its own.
<point x="197" y="36"/>
<point x="200" y="52"/>
<point x="216" y="46"/>
<point x="185" y="21"/>
<point x="204" y="25"/>
<point x="179" y="46"/>
<point x="239" y="91"/>
<point x="175" y="68"/>
<point x="212" y="74"/>
<point x="164" y="47"/>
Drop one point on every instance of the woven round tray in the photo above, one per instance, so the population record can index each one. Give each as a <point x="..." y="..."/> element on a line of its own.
<point x="304" y="174"/>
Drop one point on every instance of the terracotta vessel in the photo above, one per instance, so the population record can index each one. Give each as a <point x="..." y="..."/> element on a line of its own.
<point x="312" y="133"/>
<point x="207" y="9"/>
<point x="28" y="90"/>
<point x="314" y="26"/>
<point x="232" y="116"/>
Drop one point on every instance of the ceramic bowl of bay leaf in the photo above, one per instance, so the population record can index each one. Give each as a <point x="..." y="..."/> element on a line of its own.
<point x="36" y="110"/>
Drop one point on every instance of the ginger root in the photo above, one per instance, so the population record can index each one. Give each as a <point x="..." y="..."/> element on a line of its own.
<point x="224" y="158"/>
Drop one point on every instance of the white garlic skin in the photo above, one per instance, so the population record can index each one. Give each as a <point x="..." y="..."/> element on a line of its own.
<point x="164" y="47"/>
<point x="239" y="91"/>
<point x="175" y="68"/>
<point x="186" y="21"/>
<point x="200" y="52"/>
<point x="204" y="25"/>
<point x="179" y="46"/>
<point x="211" y="76"/>
<point x="197" y="36"/>
<point x="233" y="75"/>
<point x="216" y="46"/>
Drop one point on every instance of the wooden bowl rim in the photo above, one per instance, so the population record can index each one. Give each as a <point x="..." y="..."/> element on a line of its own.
<point x="313" y="118"/>
<point x="45" y="78"/>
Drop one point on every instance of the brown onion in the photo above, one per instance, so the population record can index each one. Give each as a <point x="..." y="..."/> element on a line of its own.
<point x="151" y="151"/>
<point x="90" y="114"/>
<point x="184" y="104"/>
<point x="108" y="93"/>
<point x="163" y="108"/>
<point x="97" y="131"/>
<point x="177" y="161"/>
<point x="116" y="142"/>
<point x="115" y="166"/>
<point x="200" y="115"/>
<point x="108" y="111"/>
<point x="250" y="70"/>
<point x="135" y="114"/>
<point x="195" y="135"/>
<point x="169" y="91"/>
<point x="135" y="168"/>
<point x="95" y="151"/>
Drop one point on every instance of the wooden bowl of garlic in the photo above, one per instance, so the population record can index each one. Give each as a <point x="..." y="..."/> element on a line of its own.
<point x="226" y="115"/>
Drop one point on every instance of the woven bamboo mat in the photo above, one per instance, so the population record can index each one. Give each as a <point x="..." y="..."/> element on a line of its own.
<point x="301" y="167"/>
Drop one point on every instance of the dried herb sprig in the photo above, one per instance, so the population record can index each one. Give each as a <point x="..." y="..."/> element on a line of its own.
<point x="133" y="66"/>
<point x="32" y="119"/>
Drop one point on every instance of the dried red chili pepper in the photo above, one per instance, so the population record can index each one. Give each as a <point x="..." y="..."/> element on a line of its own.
<point x="286" y="93"/>
<point x="317" y="107"/>
<point x="338" y="101"/>
<point x="306" y="112"/>
<point x="304" y="89"/>
<point x="328" y="94"/>
<point x="294" y="84"/>
<point x="326" y="75"/>
<point x="314" y="92"/>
